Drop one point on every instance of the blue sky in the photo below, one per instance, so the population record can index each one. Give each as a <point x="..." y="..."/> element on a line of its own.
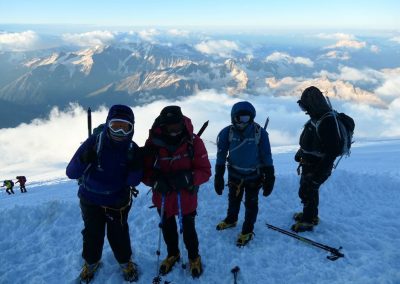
<point x="314" y="14"/>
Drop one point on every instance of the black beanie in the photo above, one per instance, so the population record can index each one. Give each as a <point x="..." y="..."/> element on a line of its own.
<point x="171" y="115"/>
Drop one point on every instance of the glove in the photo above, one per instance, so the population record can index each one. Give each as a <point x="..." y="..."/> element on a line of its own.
<point x="269" y="180"/>
<point x="298" y="155"/>
<point x="88" y="156"/>
<point x="161" y="185"/>
<point x="182" y="179"/>
<point x="219" y="182"/>
<point x="135" y="158"/>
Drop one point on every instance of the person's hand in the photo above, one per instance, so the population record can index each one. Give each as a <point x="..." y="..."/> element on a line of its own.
<point x="136" y="158"/>
<point x="182" y="180"/>
<point x="269" y="180"/>
<point x="297" y="156"/>
<point x="88" y="156"/>
<point x="219" y="182"/>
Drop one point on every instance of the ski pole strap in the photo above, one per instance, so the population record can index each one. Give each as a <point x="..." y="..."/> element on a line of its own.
<point x="180" y="213"/>
<point x="162" y="210"/>
<point x="335" y="252"/>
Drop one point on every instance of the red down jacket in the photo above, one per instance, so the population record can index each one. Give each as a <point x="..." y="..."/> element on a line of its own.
<point x="190" y="154"/>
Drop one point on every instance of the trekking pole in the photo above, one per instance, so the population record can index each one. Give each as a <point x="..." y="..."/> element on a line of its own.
<point x="202" y="128"/>
<point x="235" y="272"/>
<point x="157" y="279"/>
<point x="181" y="229"/>
<point x="89" y="121"/>
<point x="335" y="253"/>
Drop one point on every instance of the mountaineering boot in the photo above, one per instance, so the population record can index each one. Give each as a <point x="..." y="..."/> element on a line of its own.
<point x="168" y="263"/>
<point x="302" y="227"/>
<point x="130" y="271"/>
<point x="225" y="225"/>
<point x="243" y="239"/>
<point x="196" y="269"/>
<point x="298" y="217"/>
<point x="88" y="271"/>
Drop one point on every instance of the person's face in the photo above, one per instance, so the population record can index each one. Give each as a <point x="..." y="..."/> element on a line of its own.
<point x="174" y="129"/>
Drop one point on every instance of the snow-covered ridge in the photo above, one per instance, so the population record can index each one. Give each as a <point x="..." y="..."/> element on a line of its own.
<point x="358" y="211"/>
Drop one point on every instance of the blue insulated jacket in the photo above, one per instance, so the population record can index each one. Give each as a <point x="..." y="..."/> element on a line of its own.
<point x="244" y="153"/>
<point x="105" y="182"/>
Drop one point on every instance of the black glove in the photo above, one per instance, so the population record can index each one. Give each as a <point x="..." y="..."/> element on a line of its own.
<point x="269" y="180"/>
<point x="298" y="155"/>
<point x="161" y="185"/>
<point x="88" y="156"/>
<point x="219" y="182"/>
<point x="135" y="158"/>
<point x="182" y="179"/>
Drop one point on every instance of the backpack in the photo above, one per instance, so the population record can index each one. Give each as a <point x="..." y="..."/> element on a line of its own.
<point x="98" y="132"/>
<point x="345" y="126"/>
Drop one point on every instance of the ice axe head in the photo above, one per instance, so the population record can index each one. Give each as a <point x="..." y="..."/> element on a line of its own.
<point x="235" y="269"/>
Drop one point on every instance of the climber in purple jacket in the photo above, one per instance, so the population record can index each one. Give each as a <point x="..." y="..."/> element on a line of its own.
<point x="108" y="165"/>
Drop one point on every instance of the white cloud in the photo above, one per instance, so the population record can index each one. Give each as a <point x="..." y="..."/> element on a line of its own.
<point x="375" y="49"/>
<point x="222" y="48"/>
<point x="349" y="44"/>
<point x="343" y="41"/>
<point x="338" y="54"/>
<point x="396" y="39"/>
<point x="27" y="40"/>
<point x="391" y="84"/>
<point x="281" y="56"/>
<point x="148" y="35"/>
<point x="94" y="38"/>
<point x="178" y="32"/>
<point x="49" y="144"/>
<point x="336" y="36"/>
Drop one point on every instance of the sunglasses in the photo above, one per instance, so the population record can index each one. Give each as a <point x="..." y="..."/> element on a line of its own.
<point x="120" y="127"/>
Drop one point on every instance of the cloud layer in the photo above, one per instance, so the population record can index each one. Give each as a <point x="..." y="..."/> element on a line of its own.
<point x="223" y="48"/>
<point x="27" y="40"/>
<point x="49" y="144"/>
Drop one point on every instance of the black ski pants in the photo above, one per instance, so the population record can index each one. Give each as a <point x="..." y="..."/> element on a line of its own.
<point x="171" y="237"/>
<point x="237" y="189"/>
<point x="309" y="192"/>
<point x="97" y="220"/>
<point x="22" y="188"/>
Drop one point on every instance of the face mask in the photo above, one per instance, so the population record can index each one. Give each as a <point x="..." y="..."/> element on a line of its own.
<point x="174" y="129"/>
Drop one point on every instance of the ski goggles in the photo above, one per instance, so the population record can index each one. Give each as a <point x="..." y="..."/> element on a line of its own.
<point x="120" y="127"/>
<point x="302" y="106"/>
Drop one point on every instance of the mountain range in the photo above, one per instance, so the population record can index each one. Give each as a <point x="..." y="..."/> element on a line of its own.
<point x="135" y="74"/>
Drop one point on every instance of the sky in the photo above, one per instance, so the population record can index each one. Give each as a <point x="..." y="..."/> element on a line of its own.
<point x="284" y="14"/>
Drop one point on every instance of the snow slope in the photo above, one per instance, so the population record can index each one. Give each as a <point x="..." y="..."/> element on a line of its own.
<point x="359" y="210"/>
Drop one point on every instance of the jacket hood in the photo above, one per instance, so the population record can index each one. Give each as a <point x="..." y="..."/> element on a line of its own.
<point x="121" y="112"/>
<point x="243" y="108"/>
<point x="315" y="102"/>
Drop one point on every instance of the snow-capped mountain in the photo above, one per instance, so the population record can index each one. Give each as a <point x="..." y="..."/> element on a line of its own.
<point x="139" y="73"/>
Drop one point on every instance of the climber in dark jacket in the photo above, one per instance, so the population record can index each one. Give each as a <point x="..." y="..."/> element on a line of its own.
<point x="317" y="153"/>
<point x="107" y="165"/>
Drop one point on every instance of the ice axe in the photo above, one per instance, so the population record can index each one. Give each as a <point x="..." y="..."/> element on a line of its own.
<point x="235" y="272"/>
